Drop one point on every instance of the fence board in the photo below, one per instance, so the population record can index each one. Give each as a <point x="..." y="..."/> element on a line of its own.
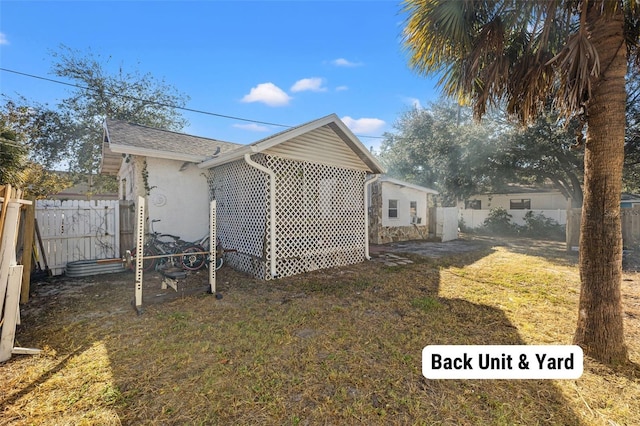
<point x="630" y="226"/>
<point x="127" y="224"/>
<point x="78" y="230"/>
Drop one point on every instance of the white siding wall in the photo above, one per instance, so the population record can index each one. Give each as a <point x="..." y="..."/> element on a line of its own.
<point x="539" y="201"/>
<point x="404" y="196"/>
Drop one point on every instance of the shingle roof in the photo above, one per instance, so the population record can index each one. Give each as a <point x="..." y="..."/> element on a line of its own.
<point x="124" y="134"/>
<point x="338" y="145"/>
<point x="407" y="184"/>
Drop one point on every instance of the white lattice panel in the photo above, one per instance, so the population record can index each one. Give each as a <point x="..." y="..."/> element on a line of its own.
<point x="242" y="193"/>
<point x="319" y="208"/>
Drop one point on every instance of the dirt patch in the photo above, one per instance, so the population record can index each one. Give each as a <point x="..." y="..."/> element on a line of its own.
<point x="431" y="249"/>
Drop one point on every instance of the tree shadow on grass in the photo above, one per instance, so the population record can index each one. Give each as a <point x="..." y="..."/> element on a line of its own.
<point x="550" y="250"/>
<point x="491" y="401"/>
<point x="456" y="321"/>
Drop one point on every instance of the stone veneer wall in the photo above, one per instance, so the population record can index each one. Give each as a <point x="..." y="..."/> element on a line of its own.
<point x="379" y="234"/>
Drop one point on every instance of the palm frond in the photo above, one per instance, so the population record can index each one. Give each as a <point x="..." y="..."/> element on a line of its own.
<point x="578" y="66"/>
<point x="436" y="32"/>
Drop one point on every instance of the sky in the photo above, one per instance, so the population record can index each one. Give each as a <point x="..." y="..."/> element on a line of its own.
<point x="283" y="62"/>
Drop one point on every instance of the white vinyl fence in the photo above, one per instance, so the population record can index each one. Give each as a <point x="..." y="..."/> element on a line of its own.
<point x="77" y="230"/>
<point x="475" y="218"/>
<point x="447" y="223"/>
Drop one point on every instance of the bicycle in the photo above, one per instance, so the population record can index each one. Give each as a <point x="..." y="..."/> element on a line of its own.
<point x="157" y="244"/>
<point x="204" y="244"/>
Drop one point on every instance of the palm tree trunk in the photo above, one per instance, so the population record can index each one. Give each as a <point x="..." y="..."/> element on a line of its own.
<point x="600" y="330"/>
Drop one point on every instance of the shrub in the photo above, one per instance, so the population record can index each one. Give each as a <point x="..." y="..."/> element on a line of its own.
<point x="499" y="222"/>
<point x="538" y="225"/>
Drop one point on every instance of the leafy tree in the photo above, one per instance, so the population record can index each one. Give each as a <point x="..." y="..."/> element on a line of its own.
<point x="12" y="155"/>
<point x="539" y="153"/>
<point x="439" y="148"/>
<point x="41" y="130"/>
<point x="41" y="183"/>
<point x="442" y="147"/>
<point x="131" y="96"/>
<point x="525" y="52"/>
<point x="631" y="176"/>
<point x="29" y="144"/>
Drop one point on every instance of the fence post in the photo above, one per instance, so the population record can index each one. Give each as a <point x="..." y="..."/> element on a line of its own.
<point x="27" y="251"/>
<point x="573" y="229"/>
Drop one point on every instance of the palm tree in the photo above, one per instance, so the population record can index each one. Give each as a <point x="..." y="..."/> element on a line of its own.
<point x="526" y="53"/>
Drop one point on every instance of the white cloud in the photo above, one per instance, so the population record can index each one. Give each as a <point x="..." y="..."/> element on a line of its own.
<point x="253" y="127"/>
<point x="313" y="84"/>
<point x="342" y="62"/>
<point x="3" y="39"/>
<point x="414" y="102"/>
<point x="363" y="125"/>
<point x="341" y="88"/>
<point x="267" y="93"/>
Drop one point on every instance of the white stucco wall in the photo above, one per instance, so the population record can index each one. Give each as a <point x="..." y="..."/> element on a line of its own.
<point x="404" y="195"/>
<point x="180" y="199"/>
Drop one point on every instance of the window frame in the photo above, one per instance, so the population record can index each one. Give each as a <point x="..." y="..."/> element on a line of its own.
<point x="473" y="204"/>
<point x="521" y="204"/>
<point x="394" y="209"/>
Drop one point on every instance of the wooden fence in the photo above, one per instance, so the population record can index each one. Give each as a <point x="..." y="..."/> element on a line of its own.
<point x="11" y="273"/>
<point x="631" y="226"/>
<point x="630" y="218"/>
<point x="77" y="230"/>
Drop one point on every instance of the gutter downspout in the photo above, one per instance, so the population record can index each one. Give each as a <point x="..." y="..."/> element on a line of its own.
<point x="272" y="205"/>
<point x="367" y="183"/>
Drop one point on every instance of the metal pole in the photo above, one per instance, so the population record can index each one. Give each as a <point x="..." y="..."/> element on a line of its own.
<point x="139" y="253"/>
<point x="212" y="247"/>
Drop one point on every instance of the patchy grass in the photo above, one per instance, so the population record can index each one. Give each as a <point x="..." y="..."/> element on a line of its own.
<point x="341" y="346"/>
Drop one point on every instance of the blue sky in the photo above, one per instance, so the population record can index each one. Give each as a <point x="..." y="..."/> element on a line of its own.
<point x="285" y="62"/>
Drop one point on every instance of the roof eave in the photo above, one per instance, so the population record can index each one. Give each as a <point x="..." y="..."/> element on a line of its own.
<point x="225" y="158"/>
<point x="408" y="185"/>
<point x="146" y="152"/>
<point x="356" y="146"/>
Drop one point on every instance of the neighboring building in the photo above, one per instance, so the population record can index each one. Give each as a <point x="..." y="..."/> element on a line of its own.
<point x="398" y="211"/>
<point x="629" y="201"/>
<point x="519" y="198"/>
<point x="289" y="203"/>
<point x="517" y="201"/>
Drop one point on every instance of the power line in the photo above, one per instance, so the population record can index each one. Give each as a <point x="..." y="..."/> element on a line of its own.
<point x="77" y="86"/>
<point x="197" y="111"/>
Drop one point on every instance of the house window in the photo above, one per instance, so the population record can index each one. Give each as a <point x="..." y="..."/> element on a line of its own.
<point x="522" y="204"/>
<point x="473" y="204"/>
<point x="393" y="209"/>
<point x="413" y="208"/>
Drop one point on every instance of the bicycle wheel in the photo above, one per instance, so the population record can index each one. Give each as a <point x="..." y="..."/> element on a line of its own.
<point x="194" y="259"/>
<point x="147" y="264"/>
<point x="219" y="262"/>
